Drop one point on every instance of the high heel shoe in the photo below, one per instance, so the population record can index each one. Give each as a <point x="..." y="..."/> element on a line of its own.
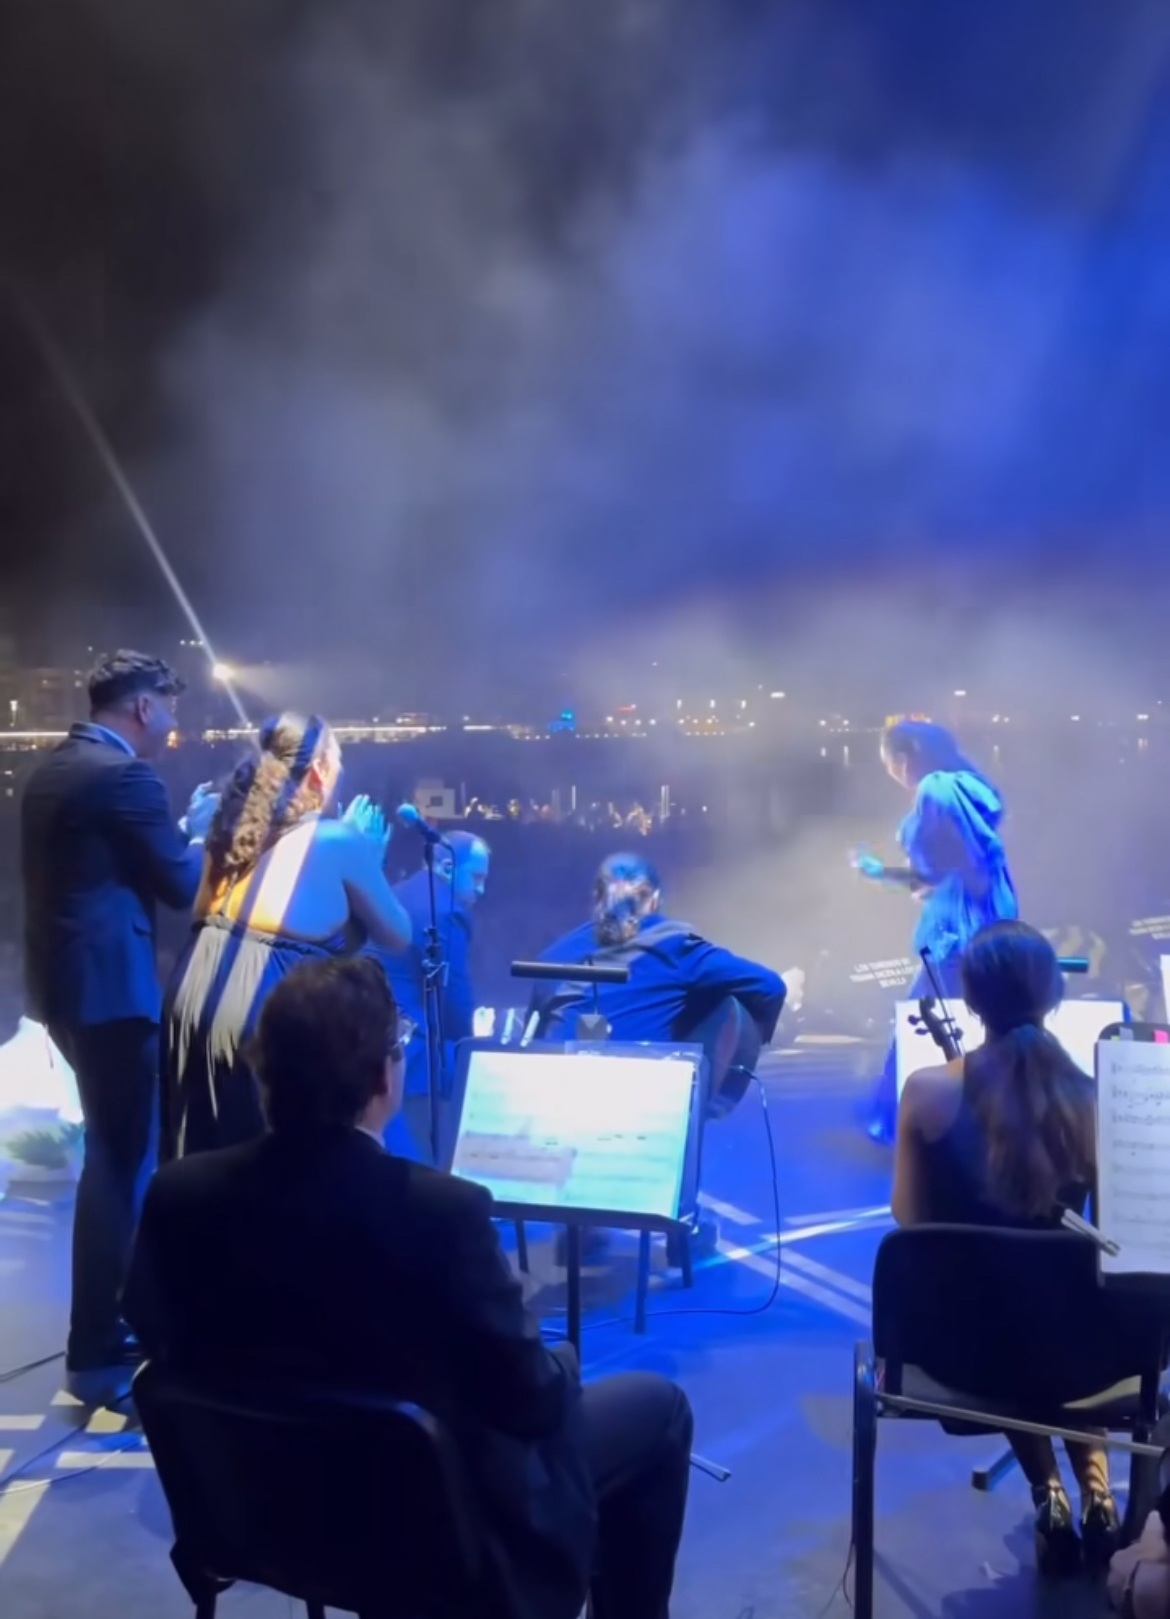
<point x="1058" y="1551"/>
<point x="1100" y="1530"/>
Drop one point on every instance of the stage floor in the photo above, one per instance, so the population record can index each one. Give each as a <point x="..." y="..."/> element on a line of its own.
<point x="84" y="1530"/>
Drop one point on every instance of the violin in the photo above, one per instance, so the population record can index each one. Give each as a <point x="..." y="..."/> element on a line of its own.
<point x="934" y="1019"/>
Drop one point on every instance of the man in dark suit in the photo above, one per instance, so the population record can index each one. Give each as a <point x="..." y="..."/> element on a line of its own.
<point x="98" y="849"/>
<point x="461" y="873"/>
<point x="312" y="1252"/>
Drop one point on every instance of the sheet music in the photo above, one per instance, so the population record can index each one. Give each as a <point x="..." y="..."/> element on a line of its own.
<point x="576" y="1131"/>
<point x="1133" y="1155"/>
<point x="1076" y="1024"/>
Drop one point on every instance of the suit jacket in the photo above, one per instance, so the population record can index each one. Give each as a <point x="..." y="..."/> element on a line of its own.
<point x="327" y="1258"/>
<point x="676" y="980"/>
<point x="404" y="969"/>
<point x="99" y="847"/>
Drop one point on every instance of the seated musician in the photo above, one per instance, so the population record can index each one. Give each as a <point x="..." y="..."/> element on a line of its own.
<point x="1005" y="1136"/>
<point x="311" y="1252"/>
<point x="680" y="986"/>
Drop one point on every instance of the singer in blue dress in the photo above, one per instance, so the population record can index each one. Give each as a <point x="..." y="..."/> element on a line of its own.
<point x="956" y="866"/>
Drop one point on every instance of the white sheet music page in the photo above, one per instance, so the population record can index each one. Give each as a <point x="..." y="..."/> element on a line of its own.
<point x="1133" y="1155"/>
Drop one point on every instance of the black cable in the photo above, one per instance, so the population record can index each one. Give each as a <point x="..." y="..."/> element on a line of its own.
<point x="63" y="1439"/>
<point x="30" y="1366"/>
<point x="714" y="1309"/>
<point x="842" y="1586"/>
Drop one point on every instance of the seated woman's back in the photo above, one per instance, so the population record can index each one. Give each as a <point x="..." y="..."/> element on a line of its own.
<point x="962" y="1175"/>
<point x="1005" y="1135"/>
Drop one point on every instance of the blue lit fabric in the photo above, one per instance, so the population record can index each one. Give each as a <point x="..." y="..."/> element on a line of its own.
<point x="951" y="838"/>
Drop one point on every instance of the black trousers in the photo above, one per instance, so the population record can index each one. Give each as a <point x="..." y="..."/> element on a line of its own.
<point x="116" y="1065"/>
<point x="638" y="1429"/>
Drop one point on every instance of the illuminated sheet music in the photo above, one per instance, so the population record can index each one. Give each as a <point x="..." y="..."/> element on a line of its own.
<point x="1076" y="1024"/>
<point x="1133" y="1155"/>
<point x="576" y="1131"/>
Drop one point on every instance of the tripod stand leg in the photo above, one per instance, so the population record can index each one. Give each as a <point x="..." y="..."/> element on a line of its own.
<point x="643" y="1281"/>
<point x="986" y="1478"/>
<point x="573" y="1284"/>
<point x="522" y="1246"/>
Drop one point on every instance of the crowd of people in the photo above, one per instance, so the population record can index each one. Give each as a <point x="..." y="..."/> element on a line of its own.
<point x="282" y="1235"/>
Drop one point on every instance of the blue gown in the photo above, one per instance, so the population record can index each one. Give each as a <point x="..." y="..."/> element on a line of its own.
<point x="951" y="839"/>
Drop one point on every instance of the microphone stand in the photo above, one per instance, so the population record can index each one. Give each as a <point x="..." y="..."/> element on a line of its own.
<point x="432" y="984"/>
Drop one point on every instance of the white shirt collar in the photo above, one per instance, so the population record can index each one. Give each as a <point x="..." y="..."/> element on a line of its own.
<point x="373" y="1134"/>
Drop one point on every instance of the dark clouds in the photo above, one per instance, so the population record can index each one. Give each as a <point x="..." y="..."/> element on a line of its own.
<point x="447" y="340"/>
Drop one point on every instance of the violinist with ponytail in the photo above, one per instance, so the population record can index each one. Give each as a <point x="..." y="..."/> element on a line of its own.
<point x="283" y="882"/>
<point x="1006" y="1136"/>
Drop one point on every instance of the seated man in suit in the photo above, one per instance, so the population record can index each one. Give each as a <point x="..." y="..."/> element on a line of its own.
<point x="678" y="983"/>
<point x="314" y="1252"/>
<point x="461" y="873"/>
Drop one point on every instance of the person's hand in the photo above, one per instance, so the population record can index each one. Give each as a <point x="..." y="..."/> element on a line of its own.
<point x="1121" y="1566"/>
<point x="1150" y="1547"/>
<point x="367" y="819"/>
<point x="200" y="812"/>
<point x="867" y="864"/>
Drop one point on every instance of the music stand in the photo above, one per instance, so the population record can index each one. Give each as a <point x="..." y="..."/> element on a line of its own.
<point x="578" y="1136"/>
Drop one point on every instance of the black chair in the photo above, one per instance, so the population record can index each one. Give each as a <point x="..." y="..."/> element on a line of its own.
<point x="977" y="1328"/>
<point x="337" y="1499"/>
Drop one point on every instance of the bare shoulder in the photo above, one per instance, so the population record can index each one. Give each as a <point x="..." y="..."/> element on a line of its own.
<point x="931" y="1096"/>
<point x="336" y="838"/>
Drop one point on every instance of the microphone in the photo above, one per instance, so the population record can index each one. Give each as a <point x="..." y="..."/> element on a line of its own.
<point x="408" y="815"/>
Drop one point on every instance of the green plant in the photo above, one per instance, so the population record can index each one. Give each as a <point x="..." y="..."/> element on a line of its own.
<point x="45" y="1149"/>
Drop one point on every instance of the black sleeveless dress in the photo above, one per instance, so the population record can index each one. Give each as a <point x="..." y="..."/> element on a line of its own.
<point x="955" y="1172"/>
<point x="210" y="1096"/>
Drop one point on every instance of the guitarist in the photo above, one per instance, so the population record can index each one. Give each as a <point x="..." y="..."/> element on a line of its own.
<point x="677" y="978"/>
<point x="680" y="986"/>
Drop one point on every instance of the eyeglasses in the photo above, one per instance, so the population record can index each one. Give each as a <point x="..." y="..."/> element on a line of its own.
<point x="404" y="1031"/>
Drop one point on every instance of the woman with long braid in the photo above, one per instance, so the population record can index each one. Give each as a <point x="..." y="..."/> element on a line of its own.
<point x="282" y="882"/>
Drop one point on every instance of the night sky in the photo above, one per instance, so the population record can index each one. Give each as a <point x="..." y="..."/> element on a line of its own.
<point x="461" y="350"/>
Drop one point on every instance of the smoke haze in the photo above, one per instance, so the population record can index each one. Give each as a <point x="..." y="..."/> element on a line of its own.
<point x="466" y="352"/>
